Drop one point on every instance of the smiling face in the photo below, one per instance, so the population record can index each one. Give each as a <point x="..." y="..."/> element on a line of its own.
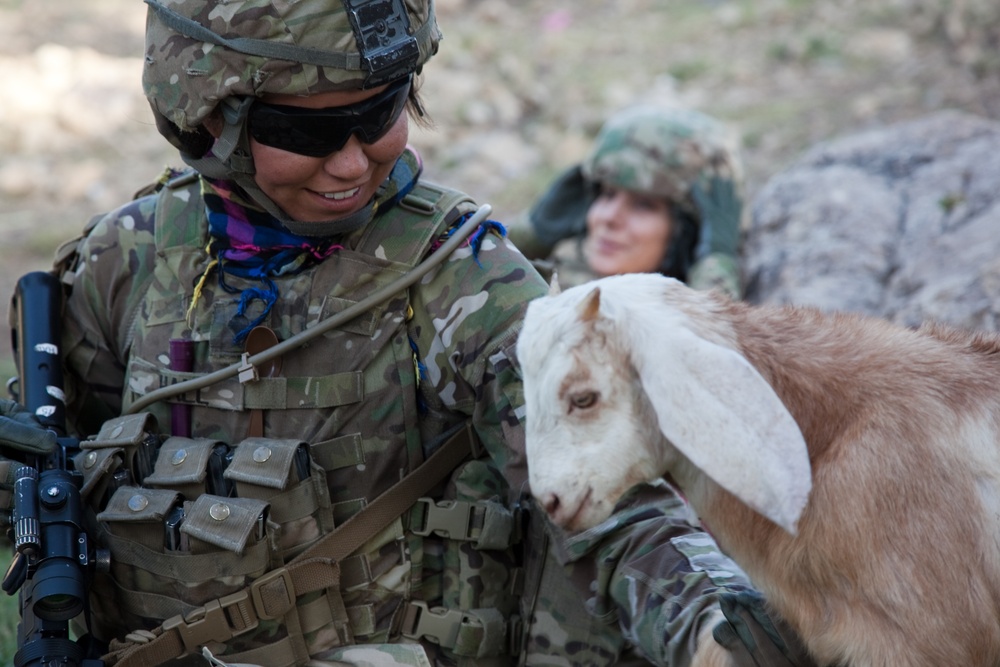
<point x="318" y="189"/>
<point x="627" y="232"/>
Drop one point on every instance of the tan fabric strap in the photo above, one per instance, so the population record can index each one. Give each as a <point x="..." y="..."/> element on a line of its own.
<point x="273" y="594"/>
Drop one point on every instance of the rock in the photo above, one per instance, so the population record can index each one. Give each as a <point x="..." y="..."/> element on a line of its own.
<point x="901" y="222"/>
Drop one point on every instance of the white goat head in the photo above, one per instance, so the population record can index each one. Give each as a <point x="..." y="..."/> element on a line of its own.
<point x="632" y="377"/>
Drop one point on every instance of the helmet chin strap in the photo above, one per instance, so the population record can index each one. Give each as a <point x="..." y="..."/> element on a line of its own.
<point x="231" y="159"/>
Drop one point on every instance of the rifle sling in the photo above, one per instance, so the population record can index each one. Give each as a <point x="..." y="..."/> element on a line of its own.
<point x="273" y="594"/>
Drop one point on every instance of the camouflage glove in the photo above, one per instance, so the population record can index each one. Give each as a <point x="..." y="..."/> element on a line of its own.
<point x="715" y="260"/>
<point x="21" y="433"/>
<point x="755" y="639"/>
<point x="720" y="209"/>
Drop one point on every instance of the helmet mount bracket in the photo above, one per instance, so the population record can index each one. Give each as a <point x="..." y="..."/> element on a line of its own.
<point x="382" y="30"/>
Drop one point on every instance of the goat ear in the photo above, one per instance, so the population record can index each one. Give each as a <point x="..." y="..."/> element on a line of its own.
<point x="588" y="309"/>
<point x="554" y="288"/>
<point x="721" y="414"/>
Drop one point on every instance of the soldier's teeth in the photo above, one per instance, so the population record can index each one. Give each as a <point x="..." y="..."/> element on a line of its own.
<point x="341" y="195"/>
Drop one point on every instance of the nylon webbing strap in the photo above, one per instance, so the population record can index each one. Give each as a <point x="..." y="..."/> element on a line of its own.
<point x="273" y="594"/>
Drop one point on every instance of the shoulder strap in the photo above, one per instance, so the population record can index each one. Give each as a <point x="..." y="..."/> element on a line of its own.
<point x="380" y="512"/>
<point x="273" y="595"/>
<point x="408" y="229"/>
<point x="180" y="204"/>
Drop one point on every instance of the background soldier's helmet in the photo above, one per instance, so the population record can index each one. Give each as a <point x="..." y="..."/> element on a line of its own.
<point x="662" y="152"/>
<point x="202" y="52"/>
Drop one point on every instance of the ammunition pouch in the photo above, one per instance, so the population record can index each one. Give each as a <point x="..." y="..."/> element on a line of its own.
<point x="195" y="520"/>
<point x="209" y="523"/>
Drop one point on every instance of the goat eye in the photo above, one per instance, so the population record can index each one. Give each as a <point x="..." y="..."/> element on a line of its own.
<point x="584" y="400"/>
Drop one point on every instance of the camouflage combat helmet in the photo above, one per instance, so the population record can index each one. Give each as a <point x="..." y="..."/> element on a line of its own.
<point x="662" y="152"/>
<point x="207" y="54"/>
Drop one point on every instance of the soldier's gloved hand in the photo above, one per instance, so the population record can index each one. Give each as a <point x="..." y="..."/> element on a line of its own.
<point x="756" y="639"/>
<point x="20" y="432"/>
<point x="720" y="209"/>
<point x="715" y="257"/>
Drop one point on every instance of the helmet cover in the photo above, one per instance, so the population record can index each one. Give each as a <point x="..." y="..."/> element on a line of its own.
<point x="662" y="152"/>
<point x="200" y="52"/>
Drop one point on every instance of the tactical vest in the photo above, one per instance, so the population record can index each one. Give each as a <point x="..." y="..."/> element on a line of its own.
<point x="344" y="418"/>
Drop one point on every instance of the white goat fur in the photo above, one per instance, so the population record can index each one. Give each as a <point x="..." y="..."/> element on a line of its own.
<point x="889" y="555"/>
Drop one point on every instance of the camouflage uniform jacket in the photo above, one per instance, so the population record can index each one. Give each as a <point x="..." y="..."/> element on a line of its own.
<point x="646" y="569"/>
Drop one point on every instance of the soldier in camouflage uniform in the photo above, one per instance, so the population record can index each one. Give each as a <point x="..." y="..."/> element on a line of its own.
<point x="303" y="201"/>
<point x="678" y="165"/>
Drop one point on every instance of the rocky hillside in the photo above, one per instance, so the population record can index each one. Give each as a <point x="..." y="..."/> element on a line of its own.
<point x="899" y="222"/>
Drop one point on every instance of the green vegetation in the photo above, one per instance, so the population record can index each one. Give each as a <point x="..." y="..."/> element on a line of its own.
<point x="688" y="70"/>
<point x="9" y="613"/>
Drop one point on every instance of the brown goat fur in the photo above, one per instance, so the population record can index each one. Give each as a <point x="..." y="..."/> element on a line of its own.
<point x="890" y="554"/>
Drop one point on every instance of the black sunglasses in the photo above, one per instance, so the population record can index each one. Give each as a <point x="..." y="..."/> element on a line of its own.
<point x="319" y="132"/>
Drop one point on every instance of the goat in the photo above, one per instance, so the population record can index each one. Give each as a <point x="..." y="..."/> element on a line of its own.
<point x="850" y="466"/>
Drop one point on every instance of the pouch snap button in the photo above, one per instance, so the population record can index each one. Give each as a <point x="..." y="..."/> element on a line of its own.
<point x="219" y="511"/>
<point x="138" y="502"/>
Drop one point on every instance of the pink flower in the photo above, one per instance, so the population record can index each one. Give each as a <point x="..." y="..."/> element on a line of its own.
<point x="557" y="21"/>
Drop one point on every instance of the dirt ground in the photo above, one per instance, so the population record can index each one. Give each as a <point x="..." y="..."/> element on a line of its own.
<point x="517" y="91"/>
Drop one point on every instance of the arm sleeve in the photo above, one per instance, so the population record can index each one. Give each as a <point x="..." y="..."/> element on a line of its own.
<point x="112" y="263"/>
<point x="647" y="576"/>
<point x="716" y="271"/>
<point x="655" y="573"/>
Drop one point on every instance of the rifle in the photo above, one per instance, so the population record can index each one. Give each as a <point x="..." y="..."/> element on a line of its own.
<point x="53" y="560"/>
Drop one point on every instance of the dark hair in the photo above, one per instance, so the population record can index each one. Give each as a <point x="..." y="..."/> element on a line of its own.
<point x="415" y="105"/>
<point x="680" y="252"/>
<point x="194" y="144"/>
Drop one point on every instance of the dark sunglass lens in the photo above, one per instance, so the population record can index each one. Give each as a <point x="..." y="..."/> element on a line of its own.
<point x="319" y="132"/>
<point x="301" y="134"/>
<point x="380" y="119"/>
